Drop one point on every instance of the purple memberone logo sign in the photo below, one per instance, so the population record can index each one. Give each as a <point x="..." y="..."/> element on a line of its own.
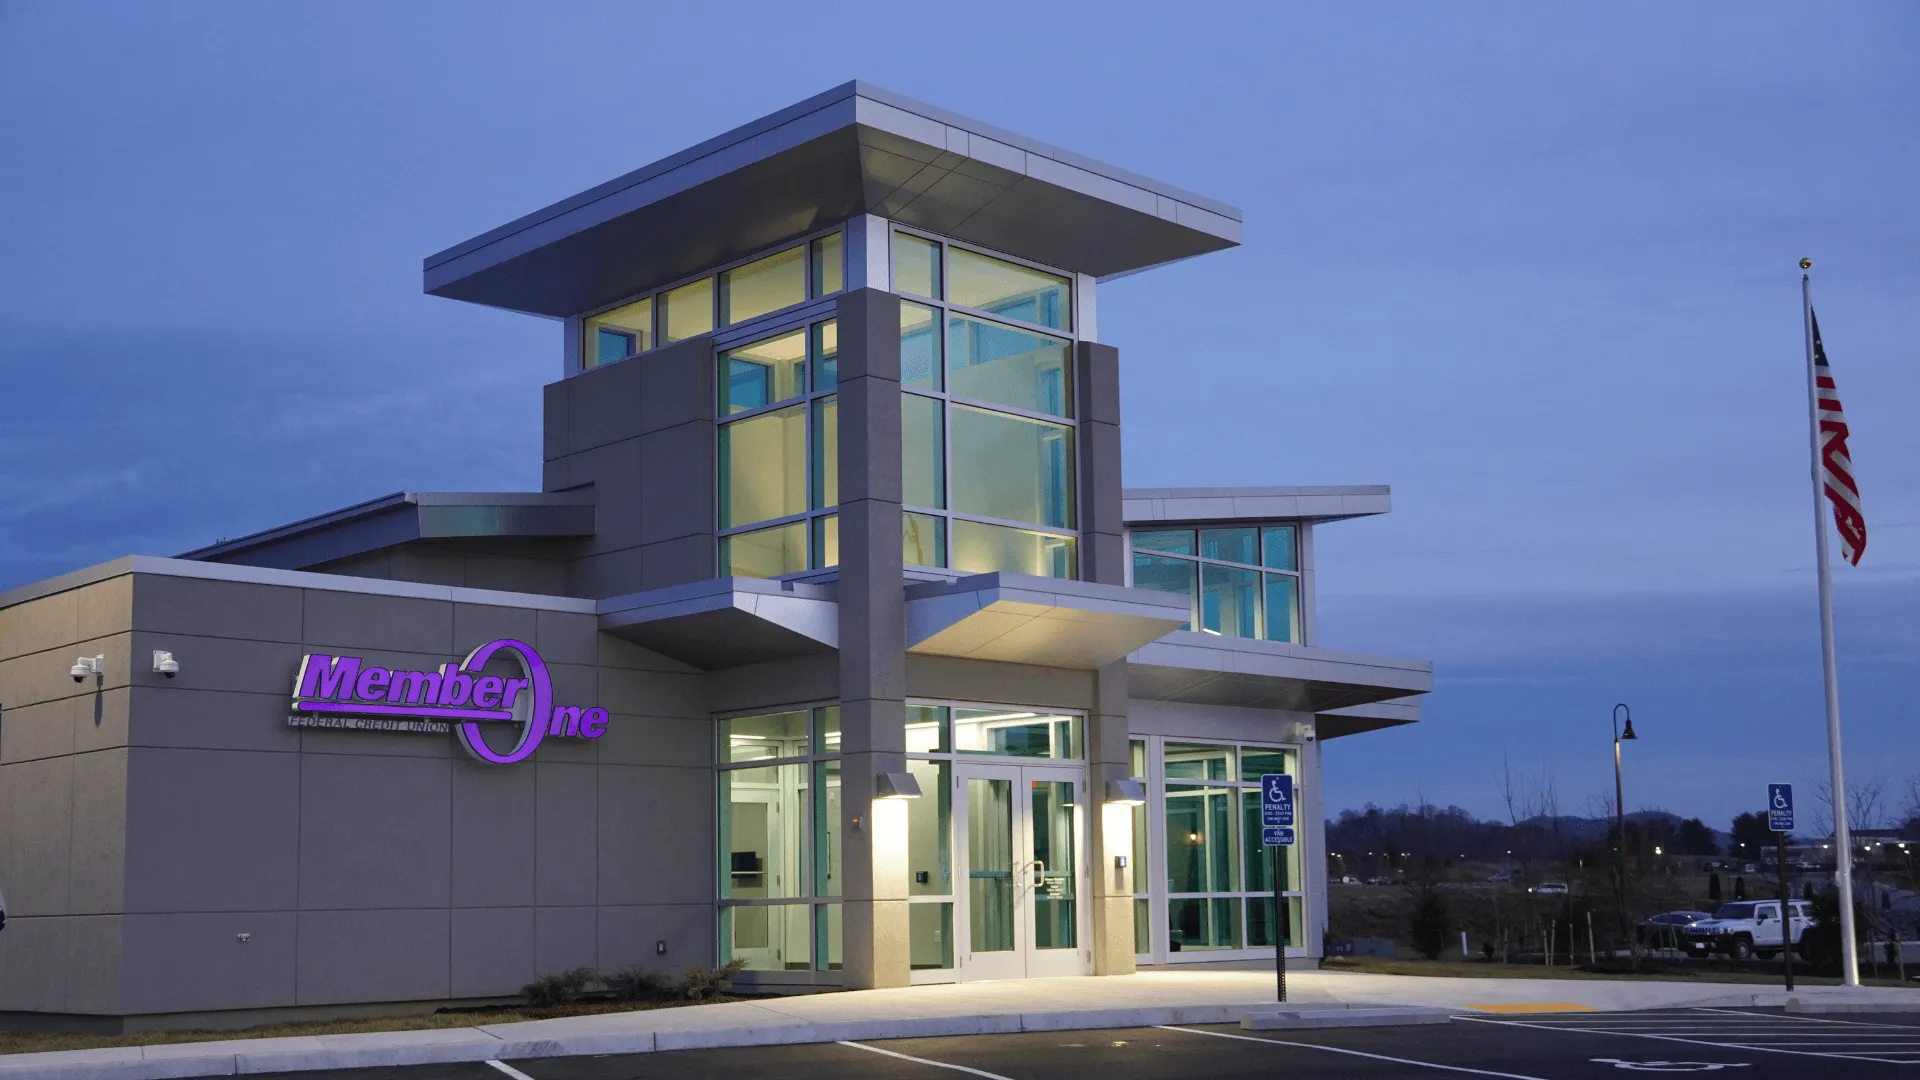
<point x="457" y="697"/>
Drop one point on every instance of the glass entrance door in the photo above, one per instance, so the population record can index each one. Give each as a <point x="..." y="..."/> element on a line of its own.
<point x="1021" y="838"/>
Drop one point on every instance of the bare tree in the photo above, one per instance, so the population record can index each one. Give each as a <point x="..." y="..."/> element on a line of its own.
<point x="1866" y="803"/>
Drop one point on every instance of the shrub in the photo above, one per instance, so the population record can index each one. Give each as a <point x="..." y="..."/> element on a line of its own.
<point x="638" y="984"/>
<point x="562" y="989"/>
<point x="704" y="984"/>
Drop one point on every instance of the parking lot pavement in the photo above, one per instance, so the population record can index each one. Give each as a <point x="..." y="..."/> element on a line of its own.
<point x="1748" y="1044"/>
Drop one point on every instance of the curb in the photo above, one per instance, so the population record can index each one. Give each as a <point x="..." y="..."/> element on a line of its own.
<point x="1297" y="1020"/>
<point x="1796" y="1006"/>
<point x="180" y="1061"/>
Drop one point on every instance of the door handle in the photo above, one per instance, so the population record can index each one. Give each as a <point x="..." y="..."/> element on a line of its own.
<point x="1039" y="874"/>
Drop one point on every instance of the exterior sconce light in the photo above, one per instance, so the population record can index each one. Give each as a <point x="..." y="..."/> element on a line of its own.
<point x="95" y="666"/>
<point x="165" y="664"/>
<point x="1126" y="793"/>
<point x="896" y="785"/>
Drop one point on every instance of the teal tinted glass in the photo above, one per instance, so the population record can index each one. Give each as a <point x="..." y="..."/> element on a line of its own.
<point x="1255" y="763"/>
<point x="612" y="345"/>
<point x="764" y="372"/>
<point x="1011" y="468"/>
<point x="1008" y="366"/>
<point x="923" y="540"/>
<point x="1004" y="288"/>
<point x="1176" y="541"/>
<point x="1161" y="574"/>
<point x="916" y="266"/>
<point x="1230" y="600"/>
<point x="826" y="354"/>
<point x="919" y="346"/>
<point x="1283" y="608"/>
<point x="1231" y="545"/>
<point x="1198" y="761"/>
<point x="1278" y="548"/>
<point x="923" y="453"/>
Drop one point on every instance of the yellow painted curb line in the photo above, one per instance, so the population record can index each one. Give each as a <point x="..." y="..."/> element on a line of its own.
<point x="1535" y="1007"/>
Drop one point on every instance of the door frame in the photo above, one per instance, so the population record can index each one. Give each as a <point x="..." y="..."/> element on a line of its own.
<point x="1024" y="960"/>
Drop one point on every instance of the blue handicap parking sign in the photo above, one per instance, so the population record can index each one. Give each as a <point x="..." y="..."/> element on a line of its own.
<point x="1276" y="837"/>
<point x="1276" y="801"/>
<point x="1780" y="807"/>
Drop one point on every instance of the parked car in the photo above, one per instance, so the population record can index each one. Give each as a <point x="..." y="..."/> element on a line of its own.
<point x="1749" y="868"/>
<point x="1499" y="879"/>
<point x="1349" y="879"/>
<point x="1746" y="929"/>
<point x="1665" y="929"/>
<point x="1549" y="888"/>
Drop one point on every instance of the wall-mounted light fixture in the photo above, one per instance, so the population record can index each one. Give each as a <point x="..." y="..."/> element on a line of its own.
<point x="165" y="664"/>
<point x="896" y="785"/>
<point x="95" y="666"/>
<point x="1126" y="793"/>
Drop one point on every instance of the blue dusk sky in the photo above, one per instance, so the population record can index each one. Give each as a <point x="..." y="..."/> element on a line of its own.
<point x="1530" y="264"/>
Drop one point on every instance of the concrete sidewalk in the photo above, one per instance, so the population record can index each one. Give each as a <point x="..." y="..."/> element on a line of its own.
<point x="1152" y="997"/>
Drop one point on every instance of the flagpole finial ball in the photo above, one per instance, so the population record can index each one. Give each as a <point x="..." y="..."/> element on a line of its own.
<point x="1806" y="264"/>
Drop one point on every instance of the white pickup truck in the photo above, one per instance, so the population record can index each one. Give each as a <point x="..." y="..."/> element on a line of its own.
<point x="1746" y="929"/>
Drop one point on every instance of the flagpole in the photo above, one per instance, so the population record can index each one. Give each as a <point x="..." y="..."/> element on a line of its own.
<point x="1829" y="666"/>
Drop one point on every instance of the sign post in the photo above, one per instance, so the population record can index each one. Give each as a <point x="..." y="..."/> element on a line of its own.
<point x="1276" y="832"/>
<point x="1780" y="820"/>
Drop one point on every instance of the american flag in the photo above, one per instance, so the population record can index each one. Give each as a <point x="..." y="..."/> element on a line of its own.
<point x="1836" y="468"/>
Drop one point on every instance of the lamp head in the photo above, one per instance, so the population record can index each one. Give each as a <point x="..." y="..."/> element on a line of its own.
<point x="1628" y="734"/>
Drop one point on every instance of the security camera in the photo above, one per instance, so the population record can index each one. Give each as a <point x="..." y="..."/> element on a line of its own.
<point x="165" y="664"/>
<point x="80" y="671"/>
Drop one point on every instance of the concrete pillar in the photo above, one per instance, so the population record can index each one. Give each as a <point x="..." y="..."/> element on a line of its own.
<point x="873" y="626"/>
<point x="1102" y="544"/>
<point x="1110" y="826"/>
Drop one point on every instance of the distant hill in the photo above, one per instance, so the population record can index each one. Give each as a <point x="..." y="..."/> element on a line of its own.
<point x="1583" y="830"/>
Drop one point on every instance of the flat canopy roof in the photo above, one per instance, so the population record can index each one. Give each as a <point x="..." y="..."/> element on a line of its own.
<point x="856" y="149"/>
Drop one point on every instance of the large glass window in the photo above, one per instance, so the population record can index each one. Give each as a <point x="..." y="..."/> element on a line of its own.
<point x="769" y="284"/>
<point x="1012" y="468"/>
<point x="779" y="482"/>
<point x="1219" y="877"/>
<point x="1239" y="581"/>
<point x="618" y="334"/>
<point x="779" y="839"/>
<point x="1008" y="289"/>
<point x="736" y="295"/>
<point x="988" y="484"/>
<point x="1007" y="365"/>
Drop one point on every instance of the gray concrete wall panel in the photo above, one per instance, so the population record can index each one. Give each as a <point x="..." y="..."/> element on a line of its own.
<point x="195" y="961"/>
<point x="492" y="952"/>
<point x="38" y="625"/>
<point x="565" y="637"/>
<point x="493" y="839"/>
<point x="655" y="831"/>
<point x="363" y="622"/>
<point x="216" y="609"/>
<point x="474" y="625"/>
<point x="355" y="956"/>
<point x="194" y="719"/>
<point x="678" y="562"/>
<point x="683" y="506"/>
<point x="44" y="730"/>
<point x="629" y="936"/>
<point x="93" y="964"/>
<point x="657" y="740"/>
<point x="603" y="406"/>
<point x="39" y="824"/>
<point x="33" y="977"/>
<point x="565" y="938"/>
<point x="775" y="684"/>
<point x="373" y="832"/>
<point x="97" y="873"/>
<point x="566" y="819"/>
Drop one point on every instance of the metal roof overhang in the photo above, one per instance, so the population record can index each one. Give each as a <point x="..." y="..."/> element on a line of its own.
<point x="407" y="516"/>
<point x="856" y="149"/>
<point x="728" y="622"/>
<point x="1047" y="622"/>
<point x="1206" y="669"/>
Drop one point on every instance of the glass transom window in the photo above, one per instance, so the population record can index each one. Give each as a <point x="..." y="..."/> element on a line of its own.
<point x="779" y="454"/>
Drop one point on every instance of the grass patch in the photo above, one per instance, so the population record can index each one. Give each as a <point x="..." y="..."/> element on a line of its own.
<point x="1653" y="971"/>
<point x="32" y="1042"/>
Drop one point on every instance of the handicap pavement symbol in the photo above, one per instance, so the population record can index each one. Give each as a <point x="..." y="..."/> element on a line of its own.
<point x="1669" y="1065"/>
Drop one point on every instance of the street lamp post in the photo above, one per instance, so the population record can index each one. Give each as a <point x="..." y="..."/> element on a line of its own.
<point x="1620" y="821"/>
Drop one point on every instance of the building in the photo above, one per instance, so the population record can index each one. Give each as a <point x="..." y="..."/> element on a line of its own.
<point x="833" y="643"/>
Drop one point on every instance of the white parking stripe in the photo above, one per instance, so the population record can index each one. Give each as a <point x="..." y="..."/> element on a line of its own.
<point x="1351" y="1053"/>
<point x="924" y="1061"/>
<point x="509" y="1070"/>
<point x="1734" y="1030"/>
